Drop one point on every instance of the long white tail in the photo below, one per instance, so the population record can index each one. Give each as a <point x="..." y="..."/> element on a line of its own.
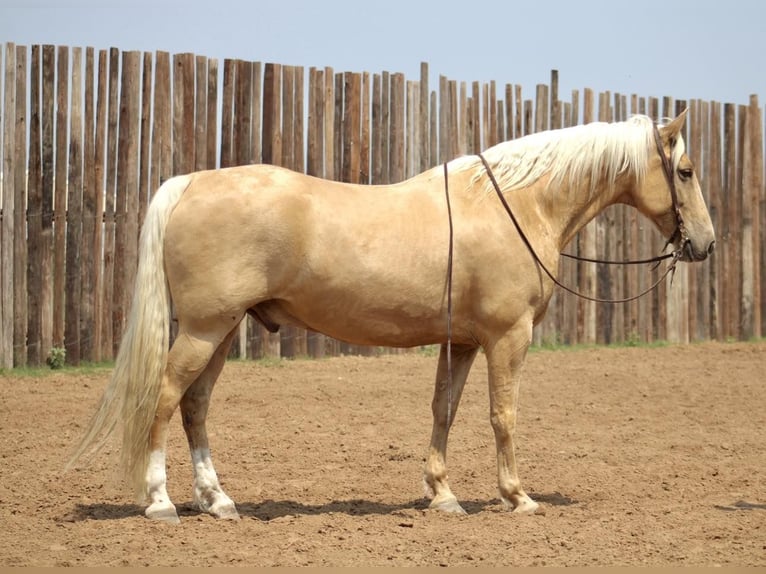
<point x="131" y="396"/>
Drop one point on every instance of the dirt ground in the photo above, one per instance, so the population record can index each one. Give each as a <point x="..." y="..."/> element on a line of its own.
<point x="639" y="456"/>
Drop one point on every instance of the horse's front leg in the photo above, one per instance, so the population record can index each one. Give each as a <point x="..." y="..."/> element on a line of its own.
<point x="435" y="475"/>
<point x="505" y="359"/>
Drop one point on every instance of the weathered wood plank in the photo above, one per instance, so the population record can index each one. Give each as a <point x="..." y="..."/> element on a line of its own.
<point x="200" y="113"/>
<point x="91" y="224"/>
<point x="111" y="338"/>
<point x="126" y="194"/>
<point x="73" y="282"/>
<point x="144" y="149"/>
<point x="35" y="236"/>
<point x="99" y="170"/>
<point x="54" y="186"/>
<point x="7" y="236"/>
<point x="21" y="294"/>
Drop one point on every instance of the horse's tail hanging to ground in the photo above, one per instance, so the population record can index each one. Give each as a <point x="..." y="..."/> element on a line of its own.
<point x="134" y="388"/>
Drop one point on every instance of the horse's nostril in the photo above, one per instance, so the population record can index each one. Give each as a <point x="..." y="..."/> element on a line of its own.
<point x="711" y="247"/>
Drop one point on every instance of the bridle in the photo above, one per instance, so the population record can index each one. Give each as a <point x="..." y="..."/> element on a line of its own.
<point x="680" y="233"/>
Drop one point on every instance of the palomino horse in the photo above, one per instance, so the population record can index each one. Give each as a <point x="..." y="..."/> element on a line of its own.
<point x="369" y="265"/>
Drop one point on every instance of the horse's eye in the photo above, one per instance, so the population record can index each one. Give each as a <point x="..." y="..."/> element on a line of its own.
<point x="685" y="173"/>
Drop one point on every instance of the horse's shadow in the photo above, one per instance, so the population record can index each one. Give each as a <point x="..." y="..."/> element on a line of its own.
<point x="267" y="510"/>
<point x="741" y="505"/>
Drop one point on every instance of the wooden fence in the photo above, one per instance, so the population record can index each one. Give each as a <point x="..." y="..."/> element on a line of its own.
<point x="88" y="135"/>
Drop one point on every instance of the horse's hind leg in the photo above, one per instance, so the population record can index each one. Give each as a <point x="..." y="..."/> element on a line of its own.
<point x="188" y="357"/>
<point x="435" y="475"/>
<point x="208" y="493"/>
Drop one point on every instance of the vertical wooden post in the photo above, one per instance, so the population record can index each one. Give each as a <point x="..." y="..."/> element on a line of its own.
<point x="73" y="284"/>
<point x="705" y="276"/>
<point x="759" y="211"/>
<point x="423" y="115"/>
<point x="713" y="179"/>
<point x="21" y="295"/>
<point x="183" y="113"/>
<point x="494" y="129"/>
<point x="752" y="185"/>
<point x="7" y="247"/>
<point x="126" y="194"/>
<point x="288" y="116"/>
<point x="200" y="113"/>
<point x="91" y="225"/>
<point x="397" y="172"/>
<point x="586" y="325"/>
<point x="35" y="237"/>
<point x="376" y="170"/>
<point x="730" y="204"/>
<point x="111" y="338"/>
<point x="160" y="107"/>
<point x="164" y="122"/>
<point x="555" y="103"/>
<point x="385" y="122"/>
<point x="211" y="121"/>
<point x="256" y="104"/>
<point x="453" y="120"/>
<point x="509" y="113"/>
<point x="99" y="169"/>
<point x="697" y="303"/>
<point x="299" y="144"/>
<point x="241" y="141"/>
<point x="466" y="121"/>
<point x="59" y="193"/>
<point x="485" y="126"/>
<point x="432" y="128"/>
<point x="329" y="124"/>
<point x="227" y="113"/>
<point x="476" y="118"/>
<point x="443" y="110"/>
<point x="144" y="147"/>
<point x="411" y="149"/>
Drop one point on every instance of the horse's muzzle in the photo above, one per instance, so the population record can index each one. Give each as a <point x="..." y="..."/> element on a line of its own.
<point x="690" y="253"/>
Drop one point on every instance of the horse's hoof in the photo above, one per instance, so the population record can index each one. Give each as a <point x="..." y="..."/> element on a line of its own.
<point x="529" y="509"/>
<point x="525" y="507"/>
<point x="225" y="512"/>
<point x="450" y="505"/>
<point x="166" y="514"/>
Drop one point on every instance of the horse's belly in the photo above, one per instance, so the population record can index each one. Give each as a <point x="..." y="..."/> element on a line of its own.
<point x="360" y="325"/>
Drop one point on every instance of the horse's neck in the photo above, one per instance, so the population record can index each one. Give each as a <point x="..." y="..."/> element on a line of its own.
<point x="570" y="207"/>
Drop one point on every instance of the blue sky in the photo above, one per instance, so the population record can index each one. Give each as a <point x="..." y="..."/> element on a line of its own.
<point x="680" y="48"/>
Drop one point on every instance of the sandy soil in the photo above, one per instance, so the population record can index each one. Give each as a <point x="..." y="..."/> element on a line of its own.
<point x="639" y="457"/>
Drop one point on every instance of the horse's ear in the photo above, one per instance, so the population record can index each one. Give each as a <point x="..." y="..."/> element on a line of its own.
<point x="671" y="130"/>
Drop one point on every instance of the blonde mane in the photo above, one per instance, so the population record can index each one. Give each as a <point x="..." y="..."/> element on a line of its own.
<point x="571" y="155"/>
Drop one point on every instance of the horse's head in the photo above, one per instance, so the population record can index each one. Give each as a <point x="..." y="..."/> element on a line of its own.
<point x="671" y="197"/>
